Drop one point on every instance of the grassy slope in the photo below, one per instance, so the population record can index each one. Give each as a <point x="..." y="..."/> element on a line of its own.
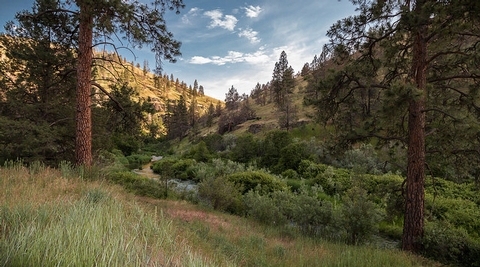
<point x="52" y="217"/>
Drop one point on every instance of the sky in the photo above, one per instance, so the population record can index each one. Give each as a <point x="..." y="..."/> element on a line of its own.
<point x="236" y="43"/>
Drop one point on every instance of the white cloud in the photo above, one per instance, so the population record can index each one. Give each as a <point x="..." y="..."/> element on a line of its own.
<point x="232" y="57"/>
<point x="227" y="22"/>
<point x="250" y="34"/>
<point x="252" y="11"/>
<point x="193" y="12"/>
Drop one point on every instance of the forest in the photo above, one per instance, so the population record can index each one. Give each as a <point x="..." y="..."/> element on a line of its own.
<point x="374" y="143"/>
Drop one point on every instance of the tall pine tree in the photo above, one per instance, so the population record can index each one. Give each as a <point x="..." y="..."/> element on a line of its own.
<point x="407" y="73"/>
<point x="102" y="20"/>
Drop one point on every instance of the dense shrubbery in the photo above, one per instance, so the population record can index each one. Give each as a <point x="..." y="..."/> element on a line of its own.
<point x="451" y="245"/>
<point x="252" y="179"/>
<point x="348" y="204"/>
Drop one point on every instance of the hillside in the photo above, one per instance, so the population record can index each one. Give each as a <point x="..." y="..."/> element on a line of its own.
<point x="150" y="87"/>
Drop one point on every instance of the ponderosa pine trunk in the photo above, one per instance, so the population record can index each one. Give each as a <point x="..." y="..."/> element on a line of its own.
<point x="413" y="227"/>
<point x="83" y="118"/>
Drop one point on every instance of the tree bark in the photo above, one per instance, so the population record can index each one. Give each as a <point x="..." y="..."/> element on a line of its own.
<point x="413" y="227"/>
<point x="83" y="119"/>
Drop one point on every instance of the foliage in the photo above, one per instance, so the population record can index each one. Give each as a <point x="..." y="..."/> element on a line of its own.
<point x="309" y="170"/>
<point x="363" y="159"/>
<point x="214" y="142"/>
<point x="291" y="156"/>
<point x="249" y="180"/>
<point x="271" y="147"/>
<point x="451" y="245"/>
<point x="176" y="119"/>
<point x="265" y="209"/>
<point x="174" y="168"/>
<point x="360" y="216"/>
<point x="245" y="149"/>
<point x="221" y="194"/>
<point x="200" y="152"/>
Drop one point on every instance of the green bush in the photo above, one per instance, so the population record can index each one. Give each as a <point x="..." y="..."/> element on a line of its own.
<point x="200" y="152"/>
<point x="214" y="142"/>
<point x="461" y="213"/>
<point x="221" y="194"/>
<point x="290" y="174"/>
<point x="245" y="149"/>
<point x="360" y="216"/>
<point x="313" y="216"/>
<point x="184" y="169"/>
<point x="251" y="179"/>
<point x="271" y="147"/>
<point x="309" y="170"/>
<point x="164" y="167"/>
<point x="291" y="156"/>
<point x="137" y="160"/>
<point x="173" y="168"/>
<point x="333" y="181"/>
<point x="363" y="160"/>
<point x="264" y="209"/>
<point x="294" y="184"/>
<point x="447" y="244"/>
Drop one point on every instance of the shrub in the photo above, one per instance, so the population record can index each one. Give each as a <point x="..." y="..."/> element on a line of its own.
<point x="137" y="160"/>
<point x="164" y="167"/>
<point x="333" y="181"/>
<point x="271" y="147"/>
<point x="309" y="170"/>
<point x="312" y="215"/>
<point x="251" y="179"/>
<point x="461" y="213"/>
<point x="264" y="209"/>
<point x="200" y="152"/>
<point x="447" y="244"/>
<point x="221" y="194"/>
<point x="291" y="156"/>
<point x="173" y="168"/>
<point x="290" y="174"/>
<point x="363" y="160"/>
<point x="360" y="216"/>
<point x="183" y="169"/>
<point x="214" y="142"/>
<point x="245" y="149"/>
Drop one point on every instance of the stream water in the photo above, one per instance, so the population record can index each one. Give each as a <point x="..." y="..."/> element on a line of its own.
<point x="175" y="184"/>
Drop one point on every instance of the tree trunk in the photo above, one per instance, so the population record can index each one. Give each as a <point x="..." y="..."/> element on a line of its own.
<point x="83" y="119"/>
<point x="414" y="198"/>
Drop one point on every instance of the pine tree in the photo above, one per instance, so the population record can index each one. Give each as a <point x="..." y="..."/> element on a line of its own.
<point x="140" y="24"/>
<point x="404" y="74"/>
<point x="232" y="99"/>
<point x="283" y="83"/>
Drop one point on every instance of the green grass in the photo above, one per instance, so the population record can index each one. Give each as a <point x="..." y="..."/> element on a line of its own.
<point x="51" y="217"/>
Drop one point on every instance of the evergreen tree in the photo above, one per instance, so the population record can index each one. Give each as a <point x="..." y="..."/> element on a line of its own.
<point x="406" y="73"/>
<point x="99" y="20"/>
<point x="283" y="83"/>
<point x="37" y="93"/>
<point x="232" y="99"/>
<point x="177" y="119"/>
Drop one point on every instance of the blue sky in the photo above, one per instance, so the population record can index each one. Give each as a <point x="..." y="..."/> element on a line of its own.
<point x="237" y="43"/>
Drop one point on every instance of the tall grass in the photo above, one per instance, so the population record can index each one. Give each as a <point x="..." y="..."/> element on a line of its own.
<point x="48" y="220"/>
